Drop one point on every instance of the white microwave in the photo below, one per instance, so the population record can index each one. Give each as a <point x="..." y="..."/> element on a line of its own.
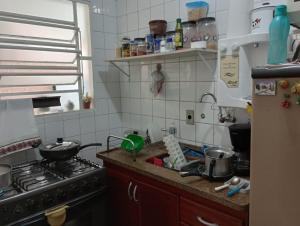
<point x="294" y="11"/>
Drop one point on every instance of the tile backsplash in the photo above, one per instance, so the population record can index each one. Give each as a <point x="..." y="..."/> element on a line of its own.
<point x="186" y="78"/>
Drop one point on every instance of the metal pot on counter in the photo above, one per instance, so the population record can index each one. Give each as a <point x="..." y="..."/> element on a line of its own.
<point x="218" y="162"/>
<point x="218" y="165"/>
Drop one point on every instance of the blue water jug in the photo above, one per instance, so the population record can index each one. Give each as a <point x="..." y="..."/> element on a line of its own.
<point x="279" y="31"/>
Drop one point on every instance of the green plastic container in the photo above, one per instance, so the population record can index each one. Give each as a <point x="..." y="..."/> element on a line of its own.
<point x="138" y="144"/>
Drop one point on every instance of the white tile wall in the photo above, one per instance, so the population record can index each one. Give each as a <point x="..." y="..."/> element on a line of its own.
<point x="186" y="79"/>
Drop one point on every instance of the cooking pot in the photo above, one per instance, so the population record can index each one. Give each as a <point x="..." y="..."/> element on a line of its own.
<point x="62" y="150"/>
<point x="5" y="176"/>
<point x="218" y="164"/>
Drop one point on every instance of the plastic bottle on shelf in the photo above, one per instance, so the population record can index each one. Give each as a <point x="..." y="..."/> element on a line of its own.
<point x="279" y="31"/>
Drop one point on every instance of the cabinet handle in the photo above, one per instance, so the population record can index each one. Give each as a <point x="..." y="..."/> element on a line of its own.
<point x="129" y="191"/>
<point x="200" y="219"/>
<point x="134" y="193"/>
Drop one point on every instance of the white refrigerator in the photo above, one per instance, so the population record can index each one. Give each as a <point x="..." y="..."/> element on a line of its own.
<point x="275" y="147"/>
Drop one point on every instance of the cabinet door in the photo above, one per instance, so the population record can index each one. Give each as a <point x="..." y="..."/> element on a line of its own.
<point x="123" y="211"/>
<point x="156" y="206"/>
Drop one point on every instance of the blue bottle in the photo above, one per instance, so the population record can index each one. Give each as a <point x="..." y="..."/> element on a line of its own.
<point x="279" y="32"/>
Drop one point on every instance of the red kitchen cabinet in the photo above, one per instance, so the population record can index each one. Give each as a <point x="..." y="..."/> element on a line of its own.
<point x="135" y="203"/>
<point x="138" y="200"/>
<point x="156" y="206"/>
<point x="123" y="210"/>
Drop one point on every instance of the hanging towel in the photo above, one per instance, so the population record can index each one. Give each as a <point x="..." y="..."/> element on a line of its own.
<point x="18" y="130"/>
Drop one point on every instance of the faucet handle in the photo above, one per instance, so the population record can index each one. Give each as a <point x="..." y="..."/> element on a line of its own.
<point x="171" y="130"/>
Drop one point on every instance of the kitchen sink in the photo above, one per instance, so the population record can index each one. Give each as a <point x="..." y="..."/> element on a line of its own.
<point x="160" y="161"/>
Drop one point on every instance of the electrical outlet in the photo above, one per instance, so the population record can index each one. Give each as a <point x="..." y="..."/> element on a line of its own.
<point x="189" y="119"/>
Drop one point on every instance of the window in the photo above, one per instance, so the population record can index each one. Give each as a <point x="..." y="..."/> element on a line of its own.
<point x="45" y="50"/>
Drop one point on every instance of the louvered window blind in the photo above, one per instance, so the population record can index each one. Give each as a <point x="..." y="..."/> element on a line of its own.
<point x="45" y="49"/>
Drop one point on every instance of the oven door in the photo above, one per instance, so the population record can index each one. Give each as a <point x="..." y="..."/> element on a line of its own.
<point x="88" y="210"/>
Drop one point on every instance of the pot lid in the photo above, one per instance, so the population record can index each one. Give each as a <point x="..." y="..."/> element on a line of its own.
<point x="157" y="21"/>
<point x="207" y="19"/>
<point x="188" y="23"/>
<point x="264" y="5"/>
<point x="60" y="145"/>
<point x="139" y="39"/>
<point x="216" y="152"/>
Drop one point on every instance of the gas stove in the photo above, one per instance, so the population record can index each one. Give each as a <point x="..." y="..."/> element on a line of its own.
<point x="40" y="185"/>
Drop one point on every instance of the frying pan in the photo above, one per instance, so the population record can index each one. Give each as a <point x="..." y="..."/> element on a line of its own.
<point x="62" y="150"/>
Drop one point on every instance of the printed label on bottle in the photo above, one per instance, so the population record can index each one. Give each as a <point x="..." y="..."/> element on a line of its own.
<point x="178" y="39"/>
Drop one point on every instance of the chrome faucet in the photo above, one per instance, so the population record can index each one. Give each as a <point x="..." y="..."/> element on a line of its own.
<point x="222" y="119"/>
<point x="215" y="100"/>
<point x="120" y="138"/>
<point x="208" y="94"/>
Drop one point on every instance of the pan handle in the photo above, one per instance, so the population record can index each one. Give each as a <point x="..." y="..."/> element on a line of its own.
<point x="211" y="169"/>
<point x="194" y="172"/>
<point x="90" y="145"/>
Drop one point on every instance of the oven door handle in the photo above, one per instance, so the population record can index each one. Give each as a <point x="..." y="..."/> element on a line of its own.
<point x="85" y="198"/>
<point x="36" y="219"/>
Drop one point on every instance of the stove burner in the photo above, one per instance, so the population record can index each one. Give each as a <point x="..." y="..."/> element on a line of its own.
<point x="32" y="176"/>
<point x="40" y="178"/>
<point x="70" y="168"/>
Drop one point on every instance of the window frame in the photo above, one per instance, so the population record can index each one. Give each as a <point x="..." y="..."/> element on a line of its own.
<point x="78" y="61"/>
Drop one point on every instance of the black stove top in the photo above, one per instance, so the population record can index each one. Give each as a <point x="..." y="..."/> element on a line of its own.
<point x="40" y="185"/>
<point x="37" y="174"/>
<point x="33" y="175"/>
<point x="70" y="168"/>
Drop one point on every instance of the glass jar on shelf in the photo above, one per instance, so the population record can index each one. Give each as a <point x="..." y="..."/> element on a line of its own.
<point x="207" y="31"/>
<point x="125" y="47"/>
<point x="170" y="38"/>
<point x="189" y="30"/>
<point x="141" y="46"/>
<point x="133" y="48"/>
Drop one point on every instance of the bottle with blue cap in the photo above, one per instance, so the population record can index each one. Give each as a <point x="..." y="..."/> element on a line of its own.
<point x="279" y="32"/>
